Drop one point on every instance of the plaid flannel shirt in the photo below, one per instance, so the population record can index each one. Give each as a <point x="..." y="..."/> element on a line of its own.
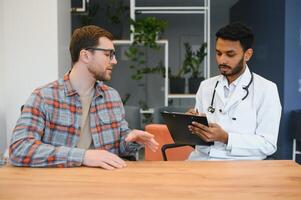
<point x="48" y="129"/>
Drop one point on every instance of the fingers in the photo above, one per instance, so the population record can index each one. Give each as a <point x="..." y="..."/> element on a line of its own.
<point x="106" y="166"/>
<point x="150" y="141"/>
<point x="140" y="136"/>
<point x="152" y="144"/>
<point x="202" y="136"/>
<point x="202" y="131"/>
<point x="149" y="137"/>
<point x="146" y="137"/>
<point x="102" y="158"/>
<point x="147" y="134"/>
<point x="201" y="126"/>
<point x="113" y="162"/>
<point x="214" y="125"/>
<point x="202" y="114"/>
<point x="130" y="137"/>
<point x="143" y="138"/>
<point x="116" y="161"/>
<point x="192" y="111"/>
<point x="136" y="135"/>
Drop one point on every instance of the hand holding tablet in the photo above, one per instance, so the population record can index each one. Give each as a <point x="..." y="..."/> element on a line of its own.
<point x="177" y="124"/>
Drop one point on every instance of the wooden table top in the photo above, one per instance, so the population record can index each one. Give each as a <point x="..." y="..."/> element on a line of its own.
<point x="270" y="179"/>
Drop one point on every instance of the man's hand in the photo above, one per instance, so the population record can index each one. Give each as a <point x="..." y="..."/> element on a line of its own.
<point x="143" y="138"/>
<point x="192" y="111"/>
<point x="102" y="158"/>
<point x="209" y="134"/>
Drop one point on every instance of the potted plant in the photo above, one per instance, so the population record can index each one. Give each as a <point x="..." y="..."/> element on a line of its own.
<point x="177" y="82"/>
<point x="192" y="63"/>
<point x="147" y="30"/>
<point x="145" y="33"/>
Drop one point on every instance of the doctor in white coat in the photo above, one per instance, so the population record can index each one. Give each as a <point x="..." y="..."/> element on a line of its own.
<point x="243" y="108"/>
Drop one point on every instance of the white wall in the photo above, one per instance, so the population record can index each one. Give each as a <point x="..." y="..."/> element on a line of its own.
<point x="30" y="50"/>
<point x="2" y="114"/>
<point x="64" y="35"/>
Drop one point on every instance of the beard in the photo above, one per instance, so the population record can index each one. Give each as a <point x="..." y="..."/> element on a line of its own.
<point x="233" y="71"/>
<point x="104" y="75"/>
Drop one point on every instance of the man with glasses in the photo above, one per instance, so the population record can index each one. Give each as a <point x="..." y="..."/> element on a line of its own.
<point x="78" y="120"/>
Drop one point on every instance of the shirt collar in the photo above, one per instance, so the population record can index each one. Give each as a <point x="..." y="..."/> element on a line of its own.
<point x="99" y="86"/>
<point x="245" y="75"/>
<point x="69" y="90"/>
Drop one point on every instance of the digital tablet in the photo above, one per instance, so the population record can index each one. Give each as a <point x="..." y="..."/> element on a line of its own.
<point x="177" y="124"/>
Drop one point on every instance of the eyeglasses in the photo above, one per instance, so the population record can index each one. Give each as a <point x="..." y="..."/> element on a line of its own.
<point x="112" y="51"/>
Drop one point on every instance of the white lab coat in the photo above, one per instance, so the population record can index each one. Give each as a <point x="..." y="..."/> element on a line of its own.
<point x="253" y="135"/>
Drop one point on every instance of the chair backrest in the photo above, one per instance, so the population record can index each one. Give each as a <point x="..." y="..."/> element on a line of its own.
<point x="132" y="116"/>
<point x="296" y="124"/>
<point x="162" y="135"/>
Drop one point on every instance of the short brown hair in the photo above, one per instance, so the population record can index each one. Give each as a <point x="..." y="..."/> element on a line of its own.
<point x="84" y="37"/>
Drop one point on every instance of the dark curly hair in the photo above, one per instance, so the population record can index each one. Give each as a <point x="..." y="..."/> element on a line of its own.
<point x="237" y="31"/>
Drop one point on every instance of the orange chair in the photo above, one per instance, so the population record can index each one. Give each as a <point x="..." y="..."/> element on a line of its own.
<point x="162" y="136"/>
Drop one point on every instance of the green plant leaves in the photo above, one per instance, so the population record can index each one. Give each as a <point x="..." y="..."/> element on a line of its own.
<point x="145" y="33"/>
<point x="193" y="60"/>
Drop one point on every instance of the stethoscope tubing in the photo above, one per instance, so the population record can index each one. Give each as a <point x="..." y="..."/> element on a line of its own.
<point x="246" y="88"/>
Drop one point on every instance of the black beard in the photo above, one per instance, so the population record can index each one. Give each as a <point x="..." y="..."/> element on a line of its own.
<point x="236" y="70"/>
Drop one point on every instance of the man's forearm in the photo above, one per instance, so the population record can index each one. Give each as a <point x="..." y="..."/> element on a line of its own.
<point x="34" y="153"/>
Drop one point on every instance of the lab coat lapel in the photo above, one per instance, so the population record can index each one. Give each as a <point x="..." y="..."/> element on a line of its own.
<point x="220" y="90"/>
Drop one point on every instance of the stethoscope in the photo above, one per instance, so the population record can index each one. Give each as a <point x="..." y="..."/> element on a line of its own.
<point x="246" y="88"/>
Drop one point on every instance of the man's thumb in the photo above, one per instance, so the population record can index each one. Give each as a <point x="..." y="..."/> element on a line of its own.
<point x="129" y="137"/>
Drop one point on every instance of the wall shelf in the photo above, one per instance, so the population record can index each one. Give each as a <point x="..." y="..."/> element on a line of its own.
<point x="204" y="10"/>
<point x="180" y="96"/>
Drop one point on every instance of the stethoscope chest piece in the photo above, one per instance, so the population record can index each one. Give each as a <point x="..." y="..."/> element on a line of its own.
<point x="246" y="88"/>
<point x="211" y="109"/>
